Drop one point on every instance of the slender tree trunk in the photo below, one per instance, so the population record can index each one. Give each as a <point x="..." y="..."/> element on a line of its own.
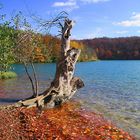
<point x="30" y="78"/>
<point x="64" y="85"/>
<point x="35" y="79"/>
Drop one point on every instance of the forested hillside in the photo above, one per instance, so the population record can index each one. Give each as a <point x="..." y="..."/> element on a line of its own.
<point x="127" y="48"/>
<point x="115" y="48"/>
<point x="49" y="50"/>
<point x="48" y="47"/>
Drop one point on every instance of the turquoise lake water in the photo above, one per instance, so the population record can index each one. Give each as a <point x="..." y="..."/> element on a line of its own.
<point x="111" y="88"/>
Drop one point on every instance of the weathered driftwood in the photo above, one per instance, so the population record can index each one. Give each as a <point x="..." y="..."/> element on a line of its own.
<point x="64" y="84"/>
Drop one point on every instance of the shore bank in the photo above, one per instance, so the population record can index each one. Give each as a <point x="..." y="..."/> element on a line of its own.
<point x="68" y="122"/>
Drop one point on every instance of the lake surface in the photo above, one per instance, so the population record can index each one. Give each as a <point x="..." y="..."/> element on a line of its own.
<point x="111" y="88"/>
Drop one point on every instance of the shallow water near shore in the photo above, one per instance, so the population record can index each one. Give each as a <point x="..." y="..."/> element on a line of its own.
<point x="111" y="88"/>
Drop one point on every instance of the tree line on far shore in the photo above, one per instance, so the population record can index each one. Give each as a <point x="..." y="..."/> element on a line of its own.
<point x="123" y="48"/>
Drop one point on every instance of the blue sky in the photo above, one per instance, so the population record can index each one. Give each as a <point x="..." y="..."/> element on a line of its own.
<point x="94" y="18"/>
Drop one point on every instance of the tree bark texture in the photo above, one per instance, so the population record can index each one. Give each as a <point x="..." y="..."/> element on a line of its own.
<point x="64" y="85"/>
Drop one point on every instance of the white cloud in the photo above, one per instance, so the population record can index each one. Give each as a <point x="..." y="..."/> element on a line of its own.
<point x="70" y="5"/>
<point x="94" y="1"/>
<point x="133" y="21"/>
<point x="121" y="32"/>
<point x="66" y="6"/>
<point x="136" y="16"/>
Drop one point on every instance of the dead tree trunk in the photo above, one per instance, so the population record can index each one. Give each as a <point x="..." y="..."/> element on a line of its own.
<point x="64" y="84"/>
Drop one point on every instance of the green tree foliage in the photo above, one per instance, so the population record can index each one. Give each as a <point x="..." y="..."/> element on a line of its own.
<point x="7" y="44"/>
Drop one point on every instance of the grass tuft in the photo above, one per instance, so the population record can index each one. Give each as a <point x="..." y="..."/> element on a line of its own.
<point x="7" y="75"/>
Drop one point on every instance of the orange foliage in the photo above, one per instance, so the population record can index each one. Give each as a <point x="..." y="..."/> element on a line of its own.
<point x="77" y="45"/>
<point x="53" y="45"/>
<point x="49" y="49"/>
<point x="39" y="57"/>
<point x="62" y="123"/>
